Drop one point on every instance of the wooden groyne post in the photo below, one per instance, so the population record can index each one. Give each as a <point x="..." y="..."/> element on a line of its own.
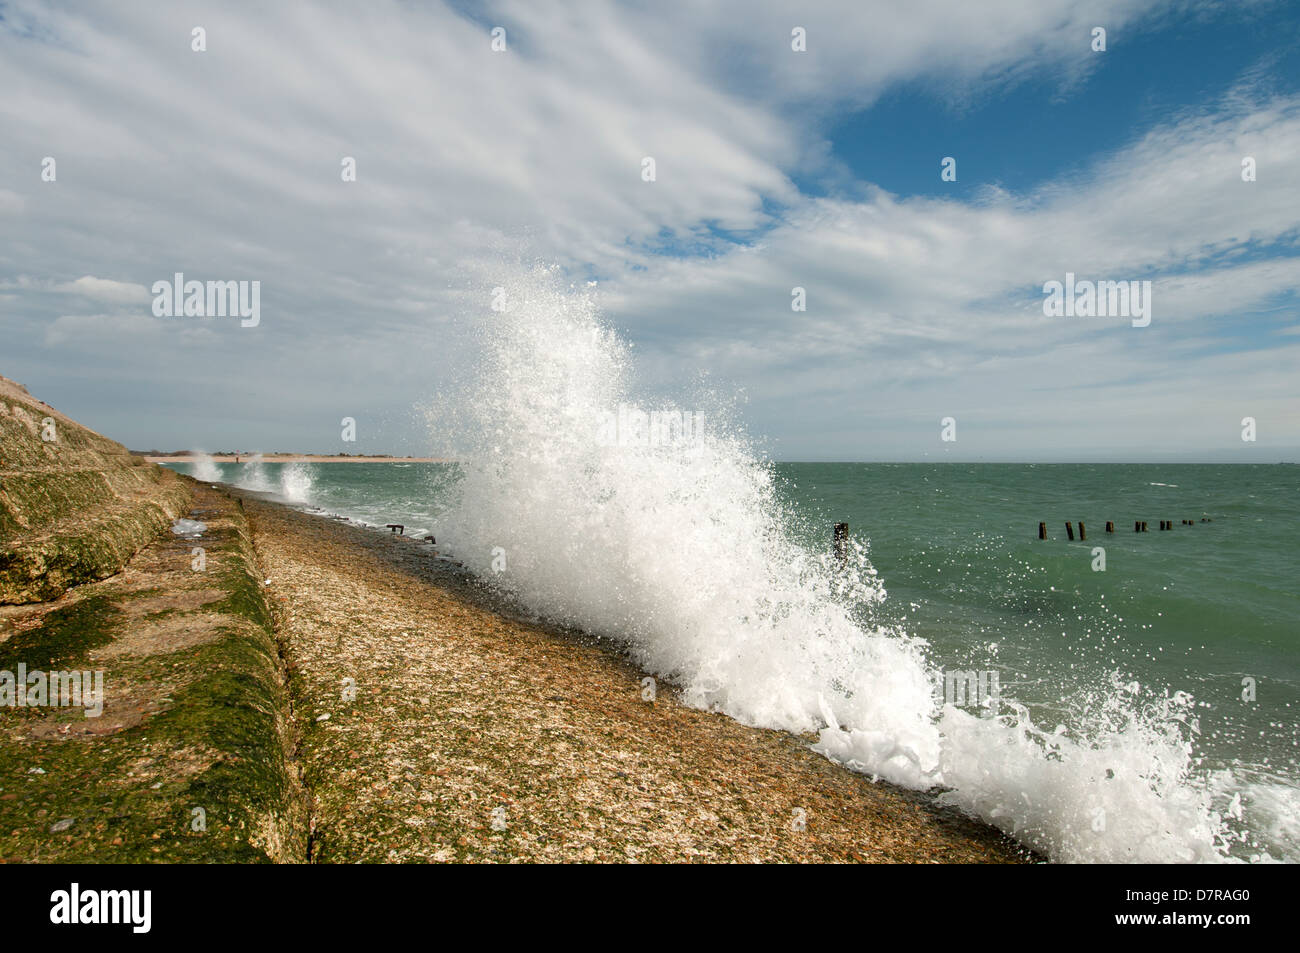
<point x="1139" y="526"/>
<point x="840" y="542"/>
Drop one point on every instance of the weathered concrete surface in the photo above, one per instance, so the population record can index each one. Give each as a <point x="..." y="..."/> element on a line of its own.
<point x="74" y="505"/>
<point x="191" y="759"/>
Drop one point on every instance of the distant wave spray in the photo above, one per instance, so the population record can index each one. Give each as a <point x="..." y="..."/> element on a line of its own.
<point x="296" y="482"/>
<point x="252" y="475"/>
<point x="204" y="468"/>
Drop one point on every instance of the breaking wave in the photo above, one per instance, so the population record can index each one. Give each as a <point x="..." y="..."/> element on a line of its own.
<point x="681" y="550"/>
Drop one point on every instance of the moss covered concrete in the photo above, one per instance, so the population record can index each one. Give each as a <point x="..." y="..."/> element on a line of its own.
<point x="74" y="505"/>
<point x="195" y="714"/>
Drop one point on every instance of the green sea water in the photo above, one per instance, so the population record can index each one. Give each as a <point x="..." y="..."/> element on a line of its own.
<point x="1212" y="609"/>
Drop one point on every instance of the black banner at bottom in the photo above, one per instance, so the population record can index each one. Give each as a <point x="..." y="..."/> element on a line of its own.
<point x="141" y="904"/>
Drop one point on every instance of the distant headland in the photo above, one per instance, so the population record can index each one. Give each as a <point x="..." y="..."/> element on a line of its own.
<point x="188" y="456"/>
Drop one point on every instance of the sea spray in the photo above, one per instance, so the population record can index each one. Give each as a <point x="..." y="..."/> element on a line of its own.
<point x="683" y="553"/>
<point x="253" y="475"/>
<point x="1114" y="786"/>
<point x="296" y="482"/>
<point x="204" y="468"/>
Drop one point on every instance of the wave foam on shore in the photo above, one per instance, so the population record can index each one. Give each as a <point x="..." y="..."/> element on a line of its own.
<point x="682" y="552"/>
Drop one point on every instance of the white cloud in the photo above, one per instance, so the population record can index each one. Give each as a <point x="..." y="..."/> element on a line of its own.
<point x="105" y="289"/>
<point x="92" y="334"/>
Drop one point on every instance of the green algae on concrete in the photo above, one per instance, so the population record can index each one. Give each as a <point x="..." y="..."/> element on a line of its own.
<point x="65" y="635"/>
<point x="191" y="760"/>
<point x="192" y="757"/>
<point x="74" y="505"/>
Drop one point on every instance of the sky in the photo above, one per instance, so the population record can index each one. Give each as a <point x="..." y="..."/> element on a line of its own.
<point x="775" y="168"/>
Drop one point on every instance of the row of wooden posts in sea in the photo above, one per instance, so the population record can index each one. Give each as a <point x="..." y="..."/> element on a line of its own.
<point x="1139" y="526"/>
<point x="840" y="536"/>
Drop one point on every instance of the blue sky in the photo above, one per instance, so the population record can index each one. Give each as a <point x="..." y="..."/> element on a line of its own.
<point x="1038" y="130"/>
<point x="776" y="169"/>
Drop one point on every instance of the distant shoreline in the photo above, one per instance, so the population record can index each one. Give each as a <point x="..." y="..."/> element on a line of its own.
<point x="290" y="458"/>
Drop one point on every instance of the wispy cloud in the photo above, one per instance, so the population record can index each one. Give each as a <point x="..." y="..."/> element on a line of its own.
<point x="105" y="289"/>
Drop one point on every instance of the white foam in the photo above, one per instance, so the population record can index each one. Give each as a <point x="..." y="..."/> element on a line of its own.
<point x="253" y="475"/>
<point x="296" y="482"/>
<point x="204" y="468"/>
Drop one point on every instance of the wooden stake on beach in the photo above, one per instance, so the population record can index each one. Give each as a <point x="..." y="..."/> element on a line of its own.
<point x="1083" y="533"/>
<point x="1042" y="531"/>
<point x="1069" y="530"/>
<point x="1110" y="526"/>
<point x="840" y="542"/>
